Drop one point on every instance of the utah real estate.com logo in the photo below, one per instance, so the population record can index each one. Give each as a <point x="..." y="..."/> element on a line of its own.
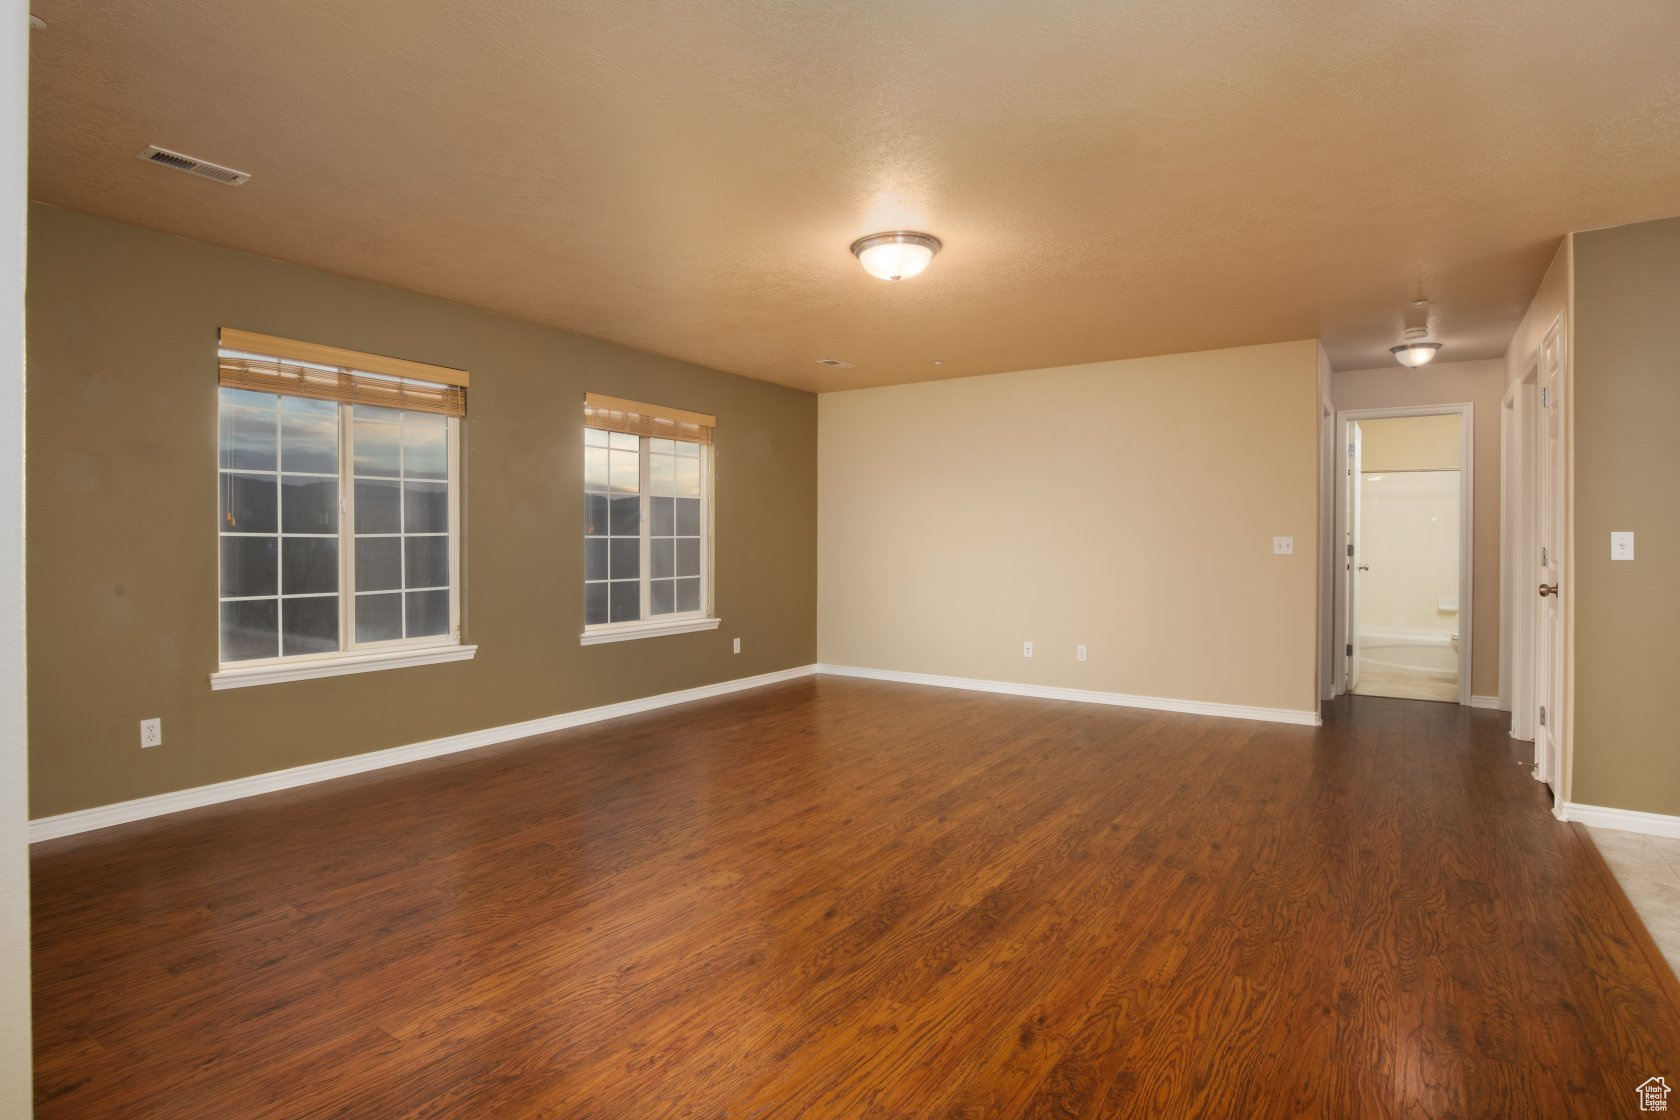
<point x="1653" y="1095"/>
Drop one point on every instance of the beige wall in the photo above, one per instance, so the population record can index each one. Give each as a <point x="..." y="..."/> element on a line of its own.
<point x="15" y="1056"/>
<point x="1626" y="399"/>
<point x="122" y="539"/>
<point x="1411" y="443"/>
<point x="1482" y="384"/>
<point x="1126" y="505"/>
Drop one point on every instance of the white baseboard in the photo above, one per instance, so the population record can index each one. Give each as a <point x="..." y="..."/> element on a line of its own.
<point x="1084" y="696"/>
<point x="1485" y="702"/>
<point x="1624" y="820"/>
<point x="103" y="816"/>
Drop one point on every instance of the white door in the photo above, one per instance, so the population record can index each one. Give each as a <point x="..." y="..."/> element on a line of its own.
<point x="1549" y="537"/>
<point x="1355" y="555"/>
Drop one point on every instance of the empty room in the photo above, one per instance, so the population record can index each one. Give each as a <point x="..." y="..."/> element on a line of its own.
<point x="759" y="559"/>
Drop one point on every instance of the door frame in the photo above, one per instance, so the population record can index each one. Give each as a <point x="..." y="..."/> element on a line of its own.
<point x="1466" y="411"/>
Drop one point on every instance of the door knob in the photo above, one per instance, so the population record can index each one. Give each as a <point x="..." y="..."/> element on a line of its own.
<point x="1548" y="589"/>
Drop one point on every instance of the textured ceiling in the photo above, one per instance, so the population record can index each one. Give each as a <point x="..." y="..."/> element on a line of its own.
<point x="1109" y="179"/>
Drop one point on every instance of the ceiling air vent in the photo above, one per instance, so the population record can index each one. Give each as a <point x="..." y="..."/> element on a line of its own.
<point x="204" y="170"/>
<point x="836" y="363"/>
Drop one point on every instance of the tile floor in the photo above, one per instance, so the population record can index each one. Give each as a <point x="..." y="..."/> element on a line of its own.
<point x="1648" y="868"/>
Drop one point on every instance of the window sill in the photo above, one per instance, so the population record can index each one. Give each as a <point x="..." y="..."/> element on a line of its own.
<point x="630" y="631"/>
<point x="338" y="665"/>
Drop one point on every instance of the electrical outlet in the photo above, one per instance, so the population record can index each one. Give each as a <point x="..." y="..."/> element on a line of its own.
<point x="151" y="733"/>
<point x="1026" y="649"/>
<point x="1621" y="546"/>
<point x="1079" y="653"/>
<point x="1283" y="546"/>
<point x="737" y="645"/>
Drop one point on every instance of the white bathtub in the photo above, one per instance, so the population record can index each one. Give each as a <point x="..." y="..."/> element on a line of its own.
<point x="1431" y="653"/>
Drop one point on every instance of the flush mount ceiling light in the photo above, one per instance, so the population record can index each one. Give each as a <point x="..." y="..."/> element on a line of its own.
<point x="1414" y="352"/>
<point x="897" y="255"/>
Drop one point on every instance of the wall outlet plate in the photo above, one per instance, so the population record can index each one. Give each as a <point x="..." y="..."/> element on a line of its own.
<point x="1621" y="546"/>
<point x="151" y="733"/>
<point x="1283" y="546"/>
<point x="1079" y="653"/>
<point x="1026" y="649"/>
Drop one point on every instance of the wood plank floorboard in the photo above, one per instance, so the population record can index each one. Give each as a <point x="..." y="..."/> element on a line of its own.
<point x="845" y="898"/>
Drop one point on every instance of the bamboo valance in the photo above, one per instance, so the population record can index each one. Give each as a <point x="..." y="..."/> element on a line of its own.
<point x="266" y="364"/>
<point x="613" y="414"/>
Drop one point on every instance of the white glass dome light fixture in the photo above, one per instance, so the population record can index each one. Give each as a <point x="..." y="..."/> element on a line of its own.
<point x="896" y="256"/>
<point x="1415" y="352"/>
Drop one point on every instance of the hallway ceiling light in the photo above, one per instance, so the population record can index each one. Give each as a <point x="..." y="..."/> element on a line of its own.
<point x="897" y="255"/>
<point x="1415" y="352"/>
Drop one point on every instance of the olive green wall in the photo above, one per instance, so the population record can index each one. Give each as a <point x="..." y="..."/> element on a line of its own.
<point x="122" y="536"/>
<point x="1626" y="401"/>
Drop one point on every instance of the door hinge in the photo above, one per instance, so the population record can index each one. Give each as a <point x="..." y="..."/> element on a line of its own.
<point x="1350" y="552"/>
<point x="1544" y="557"/>
<point x="1542" y="715"/>
<point x="1350" y="649"/>
<point x="1545" y="397"/>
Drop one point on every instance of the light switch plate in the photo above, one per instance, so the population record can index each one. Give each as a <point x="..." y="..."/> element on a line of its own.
<point x="1283" y="546"/>
<point x="1026" y="649"/>
<point x="1621" y="546"/>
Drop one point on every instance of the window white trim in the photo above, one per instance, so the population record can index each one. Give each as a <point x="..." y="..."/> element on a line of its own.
<point x="307" y="668"/>
<point x="629" y="631"/>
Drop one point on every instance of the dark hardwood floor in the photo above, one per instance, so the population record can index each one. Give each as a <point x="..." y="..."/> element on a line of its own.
<point x="839" y="898"/>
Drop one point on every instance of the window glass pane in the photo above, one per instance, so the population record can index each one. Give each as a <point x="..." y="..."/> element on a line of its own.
<point x="595" y="468"/>
<point x="622" y="441"/>
<point x="688" y="478"/>
<point x="688" y="595"/>
<point x="660" y="560"/>
<point x="662" y="474"/>
<point x="594" y="604"/>
<point x="378" y="564"/>
<point x="595" y="507"/>
<point x="595" y="558"/>
<point x="249" y="566"/>
<point x="427" y="613"/>
<point x="626" y="601"/>
<point x="378" y="618"/>
<point x="690" y="450"/>
<point x="688" y="517"/>
<point x="250" y="630"/>
<point x="626" y="468"/>
<point x="308" y="435"/>
<point x="626" y="557"/>
<point x="626" y="516"/>
<point x="426" y="561"/>
<point x="594" y="437"/>
<point x="660" y="513"/>
<point x="425" y="507"/>
<point x="688" y="556"/>
<point x="248" y="503"/>
<point x="661" y="597"/>
<point x="661" y="446"/>
<point x="308" y="505"/>
<point x="425" y="450"/>
<point x="250" y="428"/>
<point x="424" y="420"/>
<point x="378" y="446"/>
<point x="309" y="625"/>
<point x="376" y="412"/>
<point x="308" y="565"/>
<point x="378" y="506"/>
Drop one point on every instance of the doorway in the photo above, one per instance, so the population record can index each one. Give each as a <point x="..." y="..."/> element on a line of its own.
<point x="1404" y="518"/>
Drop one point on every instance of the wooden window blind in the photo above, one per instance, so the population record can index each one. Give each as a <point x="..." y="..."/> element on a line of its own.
<point x="267" y="364"/>
<point x="611" y="414"/>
